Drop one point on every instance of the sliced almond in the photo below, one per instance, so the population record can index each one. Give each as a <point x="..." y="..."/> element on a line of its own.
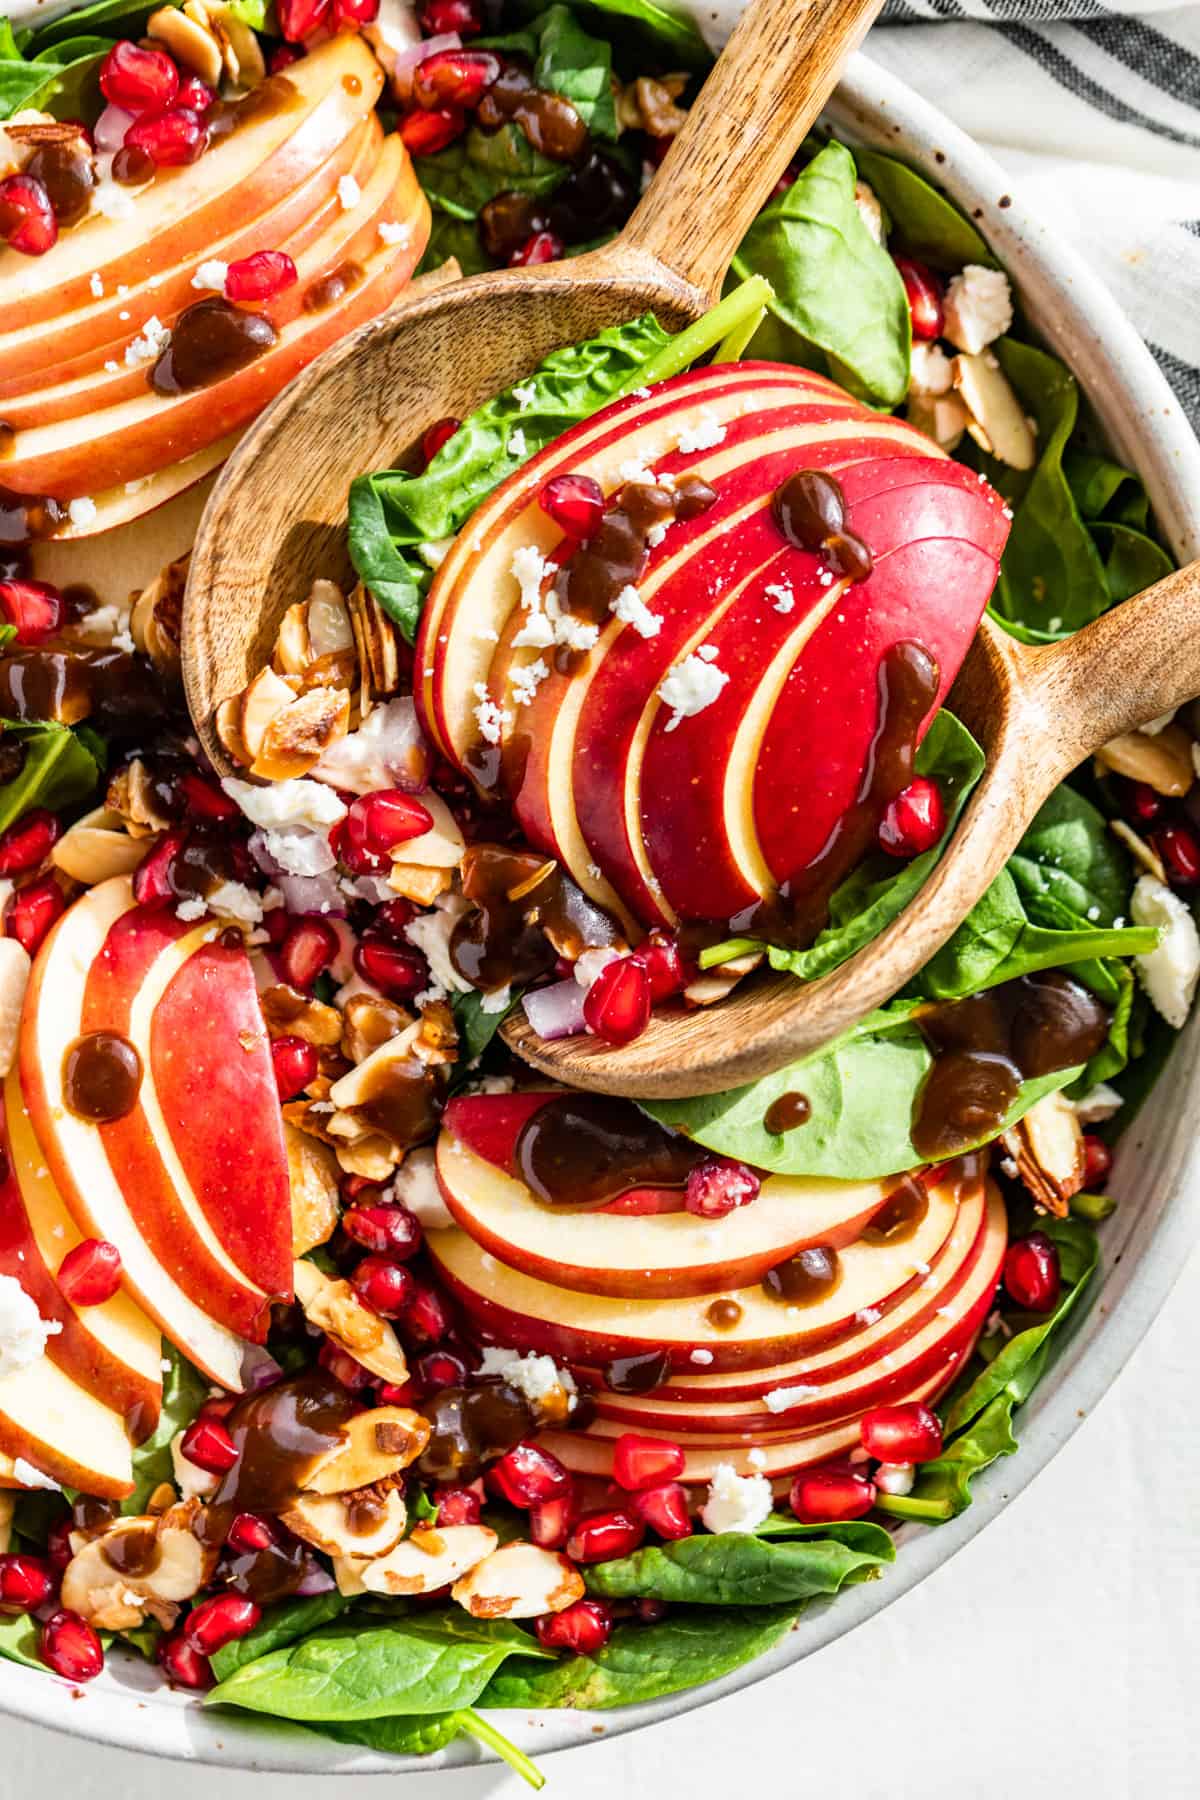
<point x="132" y="797"/>
<point x="251" y="66"/>
<point x="1163" y="760"/>
<point x="313" y="1177"/>
<point x="376" y="1445"/>
<point x="156" y="620"/>
<point x="1047" y="1147"/>
<point x="228" y="722"/>
<point x="410" y="1569"/>
<point x="367" y="1524"/>
<point x="362" y="1082"/>
<point x="376" y="642"/>
<point x="997" y="422"/>
<point x="328" y="618"/>
<point x="419" y="882"/>
<point x="96" y="847"/>
<point x="14" y="979"/>
<point x="1138" y="848"/>
<point x="942" y="417"/>
<point x="335" y="1309"/>
<point x="8" y="1503"/>
<point x="265" y="697"/>
<point x="298" y="733"/>
<point x="339" y="669"/>
<point x="441" y="847"/>
<point x="189" y="43"/>
<point x="519" y="1581"/>
<point x="293" y="650"/>
<point x="289" y="1013"/>
<point x="374" y="1157"/>
<point x="115" y="1599"/>
<point x="368" y="1022"/>
<point x="713" y="984"/>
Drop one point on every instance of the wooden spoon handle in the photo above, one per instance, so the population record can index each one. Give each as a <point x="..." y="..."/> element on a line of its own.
<point x="1140" y="660"/>
<point x="775" y="75"/>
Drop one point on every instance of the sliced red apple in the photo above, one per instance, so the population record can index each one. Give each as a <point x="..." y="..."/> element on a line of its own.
<point x="64" y="1431"/>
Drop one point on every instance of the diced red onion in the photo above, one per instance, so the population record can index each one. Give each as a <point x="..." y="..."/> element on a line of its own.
<point x="404" y="62"/>
<point x="111" y="127"/>
<point x="557" y="1011"/>
<point x="259" y="1370"/>
<point x="312" y="894"/>
<point x="315" y="1580"/>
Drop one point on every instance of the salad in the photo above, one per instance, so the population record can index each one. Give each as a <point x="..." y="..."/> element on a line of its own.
<point x="351" y="1373"/>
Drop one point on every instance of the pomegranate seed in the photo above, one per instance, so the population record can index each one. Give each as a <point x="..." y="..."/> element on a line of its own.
<point x="664" y="1509"/>
<point x="1144" y="803"/>
<point x="215" y="1408"/>
<point x="90" y="1274"/>
<point x="425" y="133"/>
<point x="282" y="57"/>
<point x="380" y="1228"/>
<point x="437" y="435"/>
<point x="924" y="292"/>
<point x="528" y="1475"/>
<point x="716" y="1187"/>
<point x="27" y="221"/>
<point x="71" y="1648"/>
<point x="58" y="1546"/>
<point x="195" y="94"/>
<point x="786" y="180"/>
<point x="648" y="1611"/>
<point x="403" y="1393"/>
<point x="644" y="1462"/>
<point x="353" y="856"/>
<point x="602" y="1536"/>
<point x="575" y="503"/>
<point x="827" y="1495"/>
<point x="443" y="16"/>
<point x="1031" y="1273"/>
<point x="617" y="1005"/>
<point x="1097" y="1160"/>
<point x="139" y="80"/>
<point x="541" y="247"/>
<point x="204" y="800"/>
<point x="663" y="963"/>
<point x="395" y="969"/>
<point x="207" y="1444"/>
<point x="261" y="276"/>
<point x="33" y="607"/>
<point x="352" y="13"/>
<point x="183" y="1665"/>
<point x="584" y="1628"/>
<point x="441" y="1369"/>
<point x="426" y="1318"/>
<point x="276" y="924"/>
<point x="215" y="1623"/>
<point x="378" y="823"/>
<point x="344" y="1368"/>
<point x="298" y="18"/>
<point x="170" y="139"/>
<point x="307" y="951"/>
<point x="914" y="820"/>
<point x="382" y="1285"/>
<point x="251" y="1533"/>
<point x="454" y="78"/>
<point x="28" y="843"/>
<point x="152" y="877"/>
<point x="550" y="1521"/>
<point x="393" y="917"/>
<point x="296" y="1064"/>
<point x="901" y="1434"/>
<point x="26" y="1582"/>
<point x="457" y="1506"/>
<point x="1179" y="853"/>
<point x="33" y="910"/>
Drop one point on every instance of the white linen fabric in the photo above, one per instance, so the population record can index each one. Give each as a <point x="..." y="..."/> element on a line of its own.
<point x="1094" y="110"/>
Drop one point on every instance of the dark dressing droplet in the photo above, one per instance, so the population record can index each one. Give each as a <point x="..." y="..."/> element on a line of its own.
<point x="724" y="1314"/>
<point x="102" y="1075"/>
<point x="583" y="1150"/>
<point x="804" y="1278"/>
<point x="786" y="1112"/>
<point x="638" y="1374"/>
<point x="210" y="341"/>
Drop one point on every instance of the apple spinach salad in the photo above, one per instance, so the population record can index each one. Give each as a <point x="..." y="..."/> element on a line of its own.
<point x="352" y="1374"/>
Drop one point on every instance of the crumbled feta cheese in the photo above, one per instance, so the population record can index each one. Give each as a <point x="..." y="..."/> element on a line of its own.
<point x="526" y="680"/>
<point x="392" y="232"/>
<point x="112" y="201"/>
<point x="591" y="962"/>
<point x="537" y="1377"/>
<point x="930" y="372"/>
<point x="234" y="900"/>
<point x="431" y="933"/>
<point x="525" y="395"/>
<point x="781" y="595"/>
<point x="781" y="1398"/>
<point x="1098" y="1104"/>
<point x="708" y="652"/>
<point x="96" y="285"/>
<point x="416" y="1187"/>
<point x="294" y="818"/>
<point x="868" y="1315"/>
<point x="1170" y="971"/>
<point x="631" y="609"/>
<point x="348" y="192"/>
<point x="81" y="510"/>
<point x="23" y="1331"/>
<point x="191" y="910"/>
<point x="496" y="1000"/>
<point x="704" y="433"/>
<point x="573" y="633"/>
<point x="537" y="633"/>
<point x="636" y="472"/>
<point x="736" y="1502"/>
<point x="895" y="1478"/>
<point x="490" y="719"/>
<point x="703" y="1357"/>
<point x="112" y="367"/>
<point x="528" y="569"/>
<point x="149" y="345"/>
<point x="757" y="1459"/>
<point x="29" y="1477"/>
<point x="373" y="756"/>
<point x="211" y="274"/>
<point x="977" y="308"/>
<point x="516" y="442"/>
<point x="657" y="533"/>
<point x="434" y="551"/>
<point x="690" y="686"/>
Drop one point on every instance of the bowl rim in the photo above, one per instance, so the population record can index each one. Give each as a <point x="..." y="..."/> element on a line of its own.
<point x="1147" y="427"/>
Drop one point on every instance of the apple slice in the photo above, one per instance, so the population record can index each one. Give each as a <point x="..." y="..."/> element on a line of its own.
<point x="664" y="1253"/>
<point x="293" y="124"/>
<point x="64" y="1431"/>
<point x="122" y="505"/>
<point x="512" y="1308"/>
<point x="112" y="1349"/>
<point x="183" y="1200"/>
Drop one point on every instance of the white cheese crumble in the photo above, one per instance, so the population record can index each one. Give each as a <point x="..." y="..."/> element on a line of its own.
<point x="211" y="274"/>
<point x="81" y="510"/>
<point x="691" y="685"/>
<point x="525" y="681"/>
<point x="294" y="817"/>
<point x="1170" y="971"/>
<point x="348" y="192"/>
<point x="234" y="900"/>
<point x="895" y="1478"/>
<point x="977" y="308"/>
<point x="149" y="345"/>
<point x="537" y="633"/>
<point x="496" y="1000"/>
<point x="657" y="533"/>
<point x="23" y="1331"/>
<point x="704" y="433"/>
<point x="736" y="1502"/>
<point x="29" y="1477"/>
<point x="1098" y="1104"/>
<point x="112" y="367"/>
<point x="780" y="1399"/>
<point x="781" y="595"/>
<point x="371" y="757"/>
<point x="590" y="964"/>
<point x="392" y="232"/>
<point x="525" y="395"/>
<point x="96" y="285"/>
<point x="639" y="474"/>
<point x="703" y="1357"/>
<point x="416" y="1187"/>
<point x="191" y="910"/>
<point x="516" y="443"/>
<point x="112" y="201"/>
<point x="434" y="551"/>
<point x="573" y="633"/>
<point x="931" y="371"/>
<point x="431" y="933"/>
<point x="528" y="569"/>
<point x="537" y="1377"/>
<point x="631" y="609"/>
<point x="490" y="719"/>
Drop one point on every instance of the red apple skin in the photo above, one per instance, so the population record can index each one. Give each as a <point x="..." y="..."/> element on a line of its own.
<point x="188" y="208"/>
<point x="61" y="350"/>
<point x="686" y="771"/>
<point x="74" y="1349"/>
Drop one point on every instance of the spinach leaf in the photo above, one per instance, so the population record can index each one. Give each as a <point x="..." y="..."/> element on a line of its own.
<point x="572" y="63"/>
<point x="125" y="18"/>
<point x="476" y="1028"/>
<point x="1132" y="561"/>
<point x="59" y="769"/>
<point x="424" y="1663"/>
<point x="644" y="1662"/>
<point x="184" y="1392"/>
<point x="1104" y="490"/>
<point x="1069" y="857"/>
<point x="921" y="220"/>
<point x="738" y="1568"/>
<point x="19" y="1639"/>
<point x="461" y="179"/>
<point x="68" y="78"/>
<point x="453" y="238"/>
<point x="423" y="1733"/>
<point x="281" y="1625"/>
<point x="670" y="31"/>
<point x="839" y="303"/>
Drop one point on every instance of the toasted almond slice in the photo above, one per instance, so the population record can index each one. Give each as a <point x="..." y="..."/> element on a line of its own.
<point x="251" y="66"/>
<point x="374" y="1157"/>
<point x="189" y="43"/>
<point x="1047" y="1146"/>
<point x="336" y="1309"/>
<point x="519" y="1581"/>
<point x="362" y="1082"/>
<point x="228" y="721"/>
<point x="329" y="627"/>
<point x="366" y="1524"/>
<point x="313" y="1177"/>
<point x="1163" y="759"/>
<point x="997" y="422"/>
<point x="375" y="1446"/>
<point x="96" y="847"/>
<point x="1138" y="848"/>
<point x="293" y="650"/>
<point x="442" y="846"/>
<point x="942" y="417"/>
<point x="115" y="1599"/>
<point x="297" y="734"/>
<point x="410" y="1569"/>
<point x="714" y="984"/>
<point x="289" y="1013"/>
<point x="265" y="697"/>
<point x="419" y="882"/>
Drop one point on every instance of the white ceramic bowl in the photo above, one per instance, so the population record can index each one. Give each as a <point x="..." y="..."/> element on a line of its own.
<point x="1156" y="1176"/>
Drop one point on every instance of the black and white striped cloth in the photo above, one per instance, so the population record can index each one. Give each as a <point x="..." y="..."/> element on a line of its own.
<point x="1095" y="112"/>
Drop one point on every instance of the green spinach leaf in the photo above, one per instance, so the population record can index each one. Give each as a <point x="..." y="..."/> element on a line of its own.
<point x="461" y="179"/>
<point x="59" y="769"/>
<point x="184" y="1392"/>
<point x="646" y="25"/>
<point x="1105" y="490"/>
<point x="738" y="1568"/>
<point x="19" y="1639"/>
<point x="1132" y="561"/>
<point x="571" y="62"/>
<point x="921" y="221"/>
<point x="281" y="1625"/>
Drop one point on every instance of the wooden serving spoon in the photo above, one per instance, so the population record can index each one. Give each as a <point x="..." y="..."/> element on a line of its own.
<point x="276" y="521"/>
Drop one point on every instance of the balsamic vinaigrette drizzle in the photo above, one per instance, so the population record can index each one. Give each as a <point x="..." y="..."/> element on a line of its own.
<point x="210" y="340"/>
<point x="102" y="1076"/>
<point x="787" y="1112"/>
<point x="583" y="1150"/>
<point x="528" y="912"/>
